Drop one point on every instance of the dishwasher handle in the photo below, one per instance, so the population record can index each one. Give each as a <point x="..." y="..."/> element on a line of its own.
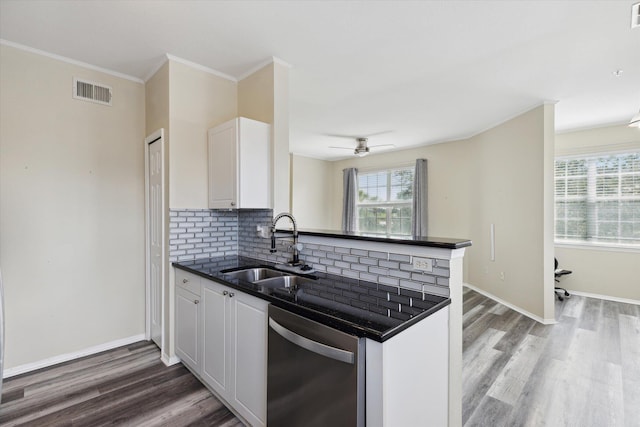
<point x="314" y="346"/>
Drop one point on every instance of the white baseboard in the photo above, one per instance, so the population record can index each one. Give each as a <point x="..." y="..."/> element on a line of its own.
<point x="168" y="361"/>
<point x="28" y="367"/>
<point x="511" y="306"/>
<point x="604" y="297"/>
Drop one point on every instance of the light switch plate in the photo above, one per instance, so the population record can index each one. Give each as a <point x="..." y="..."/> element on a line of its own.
<point x="422" y="264"/>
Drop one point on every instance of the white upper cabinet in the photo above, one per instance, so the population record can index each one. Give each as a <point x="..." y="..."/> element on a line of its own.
<point x="240" y="159"/>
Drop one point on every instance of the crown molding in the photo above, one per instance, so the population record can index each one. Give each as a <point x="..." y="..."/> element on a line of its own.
<point x="200" y="67"/>
<point x="155" y="69"/>
<point x="69" y="60"/>
<point x="261" y="65"/>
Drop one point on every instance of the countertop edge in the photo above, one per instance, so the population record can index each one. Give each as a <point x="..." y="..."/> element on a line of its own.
<point x="428" y="241"/>
<point x="320" y="317"/>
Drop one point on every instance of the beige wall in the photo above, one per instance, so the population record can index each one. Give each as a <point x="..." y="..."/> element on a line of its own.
<point x="449" y="184"/>
<point x="264" y="96"/>
<point x="281" y="157"/>
<point x="596" y="270"/>
<point x="186" y="102"/>
<point x="508" y="190"/>
<point x="197" y="101"/>
<point x="157" y="101"/>
<point x="312" y="188"/>
<point x="71" y="209"/>
<point x="255" y="95"/>
<point x="481" y="181"/>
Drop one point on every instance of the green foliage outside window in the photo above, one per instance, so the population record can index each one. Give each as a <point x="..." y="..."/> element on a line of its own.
<point x="385" y="201"/>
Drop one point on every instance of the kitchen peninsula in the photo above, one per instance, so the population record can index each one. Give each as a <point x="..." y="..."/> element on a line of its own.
<point x="407" y="271"/>
<point x="445" y="279"/>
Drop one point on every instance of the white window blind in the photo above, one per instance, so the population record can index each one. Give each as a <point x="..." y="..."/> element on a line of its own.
<point x="597" y="198"/>
<point x="385" y="201"/>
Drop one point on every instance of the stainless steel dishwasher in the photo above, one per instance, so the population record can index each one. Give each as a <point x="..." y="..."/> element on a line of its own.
<point x="315" y="374"/>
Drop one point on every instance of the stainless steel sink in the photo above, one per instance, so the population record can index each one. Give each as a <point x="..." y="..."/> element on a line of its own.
<point x="281" y="282"/>
<point x="254" y="274"/>
<point x="267" y="278"/>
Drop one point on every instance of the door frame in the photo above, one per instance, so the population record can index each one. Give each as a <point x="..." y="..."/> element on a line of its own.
<point x="159" y="137"/>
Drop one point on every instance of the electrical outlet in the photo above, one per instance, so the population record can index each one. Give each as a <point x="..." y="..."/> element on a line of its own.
<point x="262" y="231"/>
<point x="502" y="275"/>
<point x="422" y="264"/>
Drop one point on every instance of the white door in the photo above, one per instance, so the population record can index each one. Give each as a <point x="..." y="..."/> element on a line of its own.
<point x="156" y="241"/>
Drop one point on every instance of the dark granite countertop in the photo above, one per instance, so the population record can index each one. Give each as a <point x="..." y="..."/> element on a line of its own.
<point x="353" y="306"/>
<point x="435" y="242"/>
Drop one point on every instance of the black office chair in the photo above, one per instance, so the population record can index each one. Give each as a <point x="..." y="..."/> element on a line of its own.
<point x="559" y="272"/>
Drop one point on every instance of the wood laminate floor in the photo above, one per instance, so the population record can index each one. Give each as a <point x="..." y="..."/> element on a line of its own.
<point x="583" y="371"/>
<point x="128" y="386"/>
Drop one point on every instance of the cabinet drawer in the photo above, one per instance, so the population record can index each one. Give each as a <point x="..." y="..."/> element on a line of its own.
<point x="189" y="281"/>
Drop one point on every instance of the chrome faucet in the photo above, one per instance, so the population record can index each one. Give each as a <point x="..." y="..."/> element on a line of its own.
<point x="296" y="256"/>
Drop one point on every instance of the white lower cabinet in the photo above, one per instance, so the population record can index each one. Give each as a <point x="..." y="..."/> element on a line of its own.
<point x="233" y="334"/>
<point x="248" y="357"/>
<point x="188" y="320"/>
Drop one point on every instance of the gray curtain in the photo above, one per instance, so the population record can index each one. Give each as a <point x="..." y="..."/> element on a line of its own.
<point x="350" y="191"/>
<point x="420" y="214"/>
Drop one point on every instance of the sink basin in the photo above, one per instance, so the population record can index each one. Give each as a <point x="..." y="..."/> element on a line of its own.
<point x="281" y="282"/>
<point x="254" y="274"/>
<point x="267" y="278"/>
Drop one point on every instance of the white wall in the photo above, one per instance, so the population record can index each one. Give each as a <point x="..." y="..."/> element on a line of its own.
<point x="600" y="271"/>
<point x="71" y="209"/>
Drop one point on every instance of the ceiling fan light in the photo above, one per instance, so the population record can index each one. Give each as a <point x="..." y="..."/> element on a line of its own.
<point x="635" y="121"/>
<point x="361" y="153"/>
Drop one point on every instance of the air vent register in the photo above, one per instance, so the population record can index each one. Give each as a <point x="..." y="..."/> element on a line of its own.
<point x="92" y="92"/>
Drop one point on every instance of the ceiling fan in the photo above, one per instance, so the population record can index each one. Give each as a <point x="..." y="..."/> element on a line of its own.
<point x="362" y="149"/>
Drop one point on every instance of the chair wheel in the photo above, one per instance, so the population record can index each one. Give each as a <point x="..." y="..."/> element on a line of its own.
<point x="566" y="294"/>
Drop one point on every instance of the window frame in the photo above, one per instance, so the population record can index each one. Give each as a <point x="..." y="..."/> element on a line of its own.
<point x="593" y="201"/>
<point x="387" y="205"/>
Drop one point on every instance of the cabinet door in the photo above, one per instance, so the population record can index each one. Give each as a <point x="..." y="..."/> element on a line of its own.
<point x="249" y="355"/>
<point x="216" y="338"/>
<point x="188" y="347"/>
<point x="255" y="160"/>
<point x="222" y="144"/>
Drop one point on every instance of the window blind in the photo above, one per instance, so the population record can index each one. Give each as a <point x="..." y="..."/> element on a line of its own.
<point x="597" y="198"/>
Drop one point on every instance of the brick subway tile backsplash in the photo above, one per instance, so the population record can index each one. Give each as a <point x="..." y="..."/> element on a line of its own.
<point x="383" y="268"/>
<point x="204" y="233"/>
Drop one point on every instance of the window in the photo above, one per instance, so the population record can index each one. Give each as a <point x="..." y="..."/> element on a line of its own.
<point x="385" y="200"/>
<point x="597" y="198"/>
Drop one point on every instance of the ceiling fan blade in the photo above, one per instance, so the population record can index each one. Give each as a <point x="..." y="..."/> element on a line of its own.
<point x="382" y="145"/>
<point x="343" y="148"/>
